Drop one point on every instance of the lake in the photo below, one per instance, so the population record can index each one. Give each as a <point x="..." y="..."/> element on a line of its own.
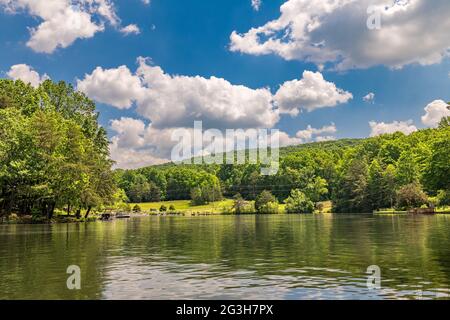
<point x="230" y="257"/>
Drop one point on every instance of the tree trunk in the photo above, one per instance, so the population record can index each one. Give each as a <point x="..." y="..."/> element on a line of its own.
<point x="87" y="212"/>
<point x="51" y="210"/>
<point x="78" y="213"/>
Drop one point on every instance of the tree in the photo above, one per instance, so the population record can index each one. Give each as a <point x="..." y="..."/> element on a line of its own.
<point x="388" y="187"/>
<point x="375" y="191"/>
<point x="351" y="191"/>
<point x="162" y="208"/>
<point x="172" y="207"/>
<point x="239" y="204"/>
<point x="437" y="173"/>
<point x="266" y="203"/>
<point x="316" y="189"/>
<point x="299" y="203"/>
<point x="137" y="208"/>
<point x="411" y="196"/>
<point x="53" y="153"/>
<point x="407" y="169"/>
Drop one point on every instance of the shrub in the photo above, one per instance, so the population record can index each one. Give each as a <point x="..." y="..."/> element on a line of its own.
<point x="241" y="206"/>
<point x="299" y="203"/>
<point x="269" y="208"/>
<point x="137" y="208"/>
<point x="172" y="207"/>
<point x="263" y="200"/>
<point x="163" y="208"/>
<point x="443" y="198"/>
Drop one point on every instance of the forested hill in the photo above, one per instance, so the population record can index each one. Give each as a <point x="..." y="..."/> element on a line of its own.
<point x="358" y="175"/>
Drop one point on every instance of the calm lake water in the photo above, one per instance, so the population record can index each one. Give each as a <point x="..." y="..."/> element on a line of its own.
<point x="229" y="257"/>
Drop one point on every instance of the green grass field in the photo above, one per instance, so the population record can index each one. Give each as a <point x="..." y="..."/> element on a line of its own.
<point x="214" y="207"/>
<point x="185" y="206"/>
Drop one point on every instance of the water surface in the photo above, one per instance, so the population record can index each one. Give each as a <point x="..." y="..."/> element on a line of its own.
<point x="230" y="257"/>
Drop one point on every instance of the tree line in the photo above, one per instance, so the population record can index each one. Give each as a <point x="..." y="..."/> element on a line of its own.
<point x="53" y="153"/>
<point x="55" y="156"/>
<point x="357" y="175"/>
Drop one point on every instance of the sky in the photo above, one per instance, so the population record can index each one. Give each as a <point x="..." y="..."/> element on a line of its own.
<point x="314" y="69"/>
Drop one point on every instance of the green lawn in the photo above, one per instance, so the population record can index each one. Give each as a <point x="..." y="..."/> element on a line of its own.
<point x="185" y="206"/>
<point x="215" y="207"/>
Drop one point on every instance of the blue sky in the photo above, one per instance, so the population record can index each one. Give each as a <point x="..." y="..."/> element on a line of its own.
<point x="192" y="38"/>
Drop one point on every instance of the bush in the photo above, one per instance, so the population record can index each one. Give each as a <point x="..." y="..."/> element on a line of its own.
<point x="172" y="207"/>
<point x="269" y="208"/>
<point x="137" y="208"/>
<point x="241" y="206"/>
<point x="163" y="208"/>
<point x="443" y="198"/>
<point x="263" y="200"/>
<point x="299" y="203"/>
<point x="411" y="196"/>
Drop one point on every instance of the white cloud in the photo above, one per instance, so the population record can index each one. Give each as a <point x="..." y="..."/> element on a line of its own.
<point x="116" y="87"/>
<point x="434" y="112"/>
<point x="256" y="4"/>
<point x="310" y="93"/>
<point x="130" y="29"/>
<point x="146" y="2"/>
<point x="63" y="21"/>
<point x="370" y="97"/>
<point x="311" y="134"/>
<point x="170" y="101"/>
<point x="307" y="135"/>
<point x="335" y="32"/>
<point x="379" y="128"/>
<point x="27" y="74"/>
<point x="176" y="101"/>
<point x="136" y="144"/>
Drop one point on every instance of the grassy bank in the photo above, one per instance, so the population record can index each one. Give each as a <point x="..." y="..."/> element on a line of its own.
<point x="218" y="207"/>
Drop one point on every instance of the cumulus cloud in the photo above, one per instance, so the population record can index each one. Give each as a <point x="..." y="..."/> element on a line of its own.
<point x="256" y="4"/>
<point x="27" y="74"/>
<point x="63" y="21"/>
<point x="336" y="33"/>
<point x="317" y="134"/>
<point x="379" y="128"/>
<point x="136" y="144"/>
<point x="176" y="101"/>
<point x="434" y="112"/>
<point x="370" y="97"/>
<point x="170" y="101"/>
<point x="116" y="87"/>
<point x="130" y="29"/>
<point x="309" y="93"/>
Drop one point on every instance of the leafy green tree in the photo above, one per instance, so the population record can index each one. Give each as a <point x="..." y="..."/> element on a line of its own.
<point x="375" y="190"/>
<point x="299" y="203"/>
<point x="351" y="193"/>
<point x="407" y="169"/>
<point x="411" y="196"/>
<point x="389" y="187"/>
<point x="316" y="189"/>
<point x="437" y="174"/>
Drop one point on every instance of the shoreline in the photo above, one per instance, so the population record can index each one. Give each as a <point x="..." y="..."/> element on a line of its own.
<point x="28" y="220"/>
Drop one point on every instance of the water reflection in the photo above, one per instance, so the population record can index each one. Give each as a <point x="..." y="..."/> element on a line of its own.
<point x="244" y="257"/>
